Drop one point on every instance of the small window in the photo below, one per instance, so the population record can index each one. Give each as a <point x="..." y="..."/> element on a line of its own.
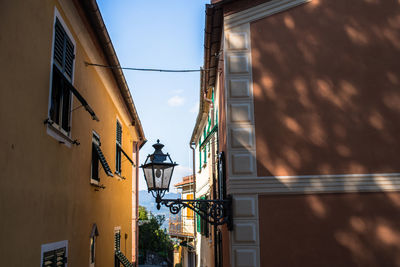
<point x="55" y="254"/>
<point x="93" y="237"/>
<point x="189" y="212"/>
<point x="98" y="156"/>
<point x="95" y="159"/>
<point x="118" y="148"/>
<point x="61" y="86"/>
<point x="92" y="250"/>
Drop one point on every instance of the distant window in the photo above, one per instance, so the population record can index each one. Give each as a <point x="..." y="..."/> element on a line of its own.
<point x="54" y="254"/>
<point x="118" y="148"/>
<point x="63" y="62"/>
<point x="92" y="250"/>
<point x="189" y="212"/>
<point x="202" y="224"/>
<point x="95" y="159"/>
<point x="93" y="236"/>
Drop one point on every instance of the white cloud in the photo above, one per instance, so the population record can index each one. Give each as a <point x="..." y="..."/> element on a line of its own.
<point x="195" y="108"/>
<point x="176" y="101"/>
<point x="177" y="91"/>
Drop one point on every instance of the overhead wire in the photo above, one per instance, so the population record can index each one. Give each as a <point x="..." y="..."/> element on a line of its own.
<point x="144" y="69"/>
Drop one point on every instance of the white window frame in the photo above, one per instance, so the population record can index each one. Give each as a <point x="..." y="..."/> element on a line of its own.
<point x="55" y="130"/>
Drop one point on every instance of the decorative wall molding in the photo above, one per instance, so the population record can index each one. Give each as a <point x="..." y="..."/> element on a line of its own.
<point x="240" y="126"/>
<point x="311" y="184"/>
<point x="261" y="11"/>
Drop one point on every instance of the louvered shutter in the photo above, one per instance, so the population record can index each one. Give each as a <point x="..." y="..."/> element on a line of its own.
<point x="63" y="50"/>
<point x="118" y="148"/>
<point x="59" y="43"/>
<point x="119" y="133"/>
<point x="117" y="241"/>
<point x="69" y="56"/>
<point x="103" y="160"/>
<point x="55" y="258"/>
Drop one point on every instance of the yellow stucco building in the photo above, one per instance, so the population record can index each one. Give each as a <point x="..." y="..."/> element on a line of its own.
<point x="70" y="137"/>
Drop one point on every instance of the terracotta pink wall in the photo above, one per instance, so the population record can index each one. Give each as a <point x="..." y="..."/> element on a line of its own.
<point x="330" y="230"/>
<point x="326" y="88"/>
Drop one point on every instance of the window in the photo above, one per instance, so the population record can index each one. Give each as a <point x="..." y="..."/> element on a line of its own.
<point x="54" y="254"/>
<point x="202" y="224"/>
<point x="95" y="159"/>
<point x="98" y="156"/>
<point x="205" y="147"/>
<point x="200" y="162"/>
<point x="118" y="148"/>
<point x="120" y="258"/>
<point x="61" y="86"/>
<point x="93" y="237"/>
<point x="189" y="212"/>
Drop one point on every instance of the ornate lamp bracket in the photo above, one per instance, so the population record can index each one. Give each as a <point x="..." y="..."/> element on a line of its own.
<point x="215" y="212"/>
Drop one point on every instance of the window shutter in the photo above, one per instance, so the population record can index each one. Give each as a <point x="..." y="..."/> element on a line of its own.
<point x="198" y="223"/>
<point x="117" y="241"/>
<point x="119" y="133"/>
<point x="103" y="160"/>
<point x="63" y="50"/>
<point x="59" y="43"/>
<point x="69" y="56"/>
<point x="200" y="162"/>
<point x="55" y="258"/>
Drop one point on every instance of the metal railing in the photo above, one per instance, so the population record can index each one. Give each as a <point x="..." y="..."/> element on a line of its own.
<point x="181" y="226"/>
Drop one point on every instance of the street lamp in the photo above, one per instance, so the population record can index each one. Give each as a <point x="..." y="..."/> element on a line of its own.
<point x="158" y="169"/>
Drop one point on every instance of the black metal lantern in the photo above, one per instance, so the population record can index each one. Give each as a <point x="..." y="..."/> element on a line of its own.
<point x="158" y="169"/>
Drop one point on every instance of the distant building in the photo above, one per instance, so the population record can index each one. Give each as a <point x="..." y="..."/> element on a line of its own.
<point x="70" y="140"/>
<point x="307" y="95"/>
<point x="182" y="226"/>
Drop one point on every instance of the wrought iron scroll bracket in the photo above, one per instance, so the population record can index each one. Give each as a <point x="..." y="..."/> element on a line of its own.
<point x="215" y="212"/>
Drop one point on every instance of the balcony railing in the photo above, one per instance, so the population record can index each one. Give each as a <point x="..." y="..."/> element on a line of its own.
<point x="182" y="226"/>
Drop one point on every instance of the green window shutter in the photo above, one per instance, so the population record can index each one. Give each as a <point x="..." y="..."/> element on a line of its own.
<point x="200" y="155"/>
<point x="198" y="222"/>
<point x="205" y="154"/>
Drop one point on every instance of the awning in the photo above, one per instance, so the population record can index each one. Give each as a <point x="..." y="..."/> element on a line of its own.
<point x="126" y="155"/>
<point x="103" y="161"/>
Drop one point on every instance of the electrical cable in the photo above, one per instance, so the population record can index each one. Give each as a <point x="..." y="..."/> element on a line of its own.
<point x="144" y="69"/>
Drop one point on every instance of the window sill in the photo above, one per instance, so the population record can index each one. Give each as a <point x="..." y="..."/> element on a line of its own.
<point x="58" y="134"/>
<point x="119" y="176"/>
<point x="96" y="184"/>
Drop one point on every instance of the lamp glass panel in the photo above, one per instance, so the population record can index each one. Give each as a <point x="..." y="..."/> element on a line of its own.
<point x="167" y="176"/>
<point x="148" y="175"/>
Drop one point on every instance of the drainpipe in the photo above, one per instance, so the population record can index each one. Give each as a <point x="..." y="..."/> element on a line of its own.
<point x="137" y="147"/>
<point x="193" y="147"/>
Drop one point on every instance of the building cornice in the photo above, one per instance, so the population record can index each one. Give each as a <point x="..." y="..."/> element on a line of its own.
<point x="260" y="11"/>
<point x="311" y="184"/>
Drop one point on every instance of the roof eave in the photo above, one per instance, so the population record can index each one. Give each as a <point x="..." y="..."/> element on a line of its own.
<point x="93" y="14"/>
<point x="212" y="39"/>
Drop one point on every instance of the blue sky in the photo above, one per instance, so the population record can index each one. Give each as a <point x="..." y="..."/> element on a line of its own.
<point x="164" y="35"/>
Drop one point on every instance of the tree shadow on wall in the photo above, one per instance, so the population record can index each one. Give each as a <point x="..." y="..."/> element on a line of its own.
<point x="326" y="79"/>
